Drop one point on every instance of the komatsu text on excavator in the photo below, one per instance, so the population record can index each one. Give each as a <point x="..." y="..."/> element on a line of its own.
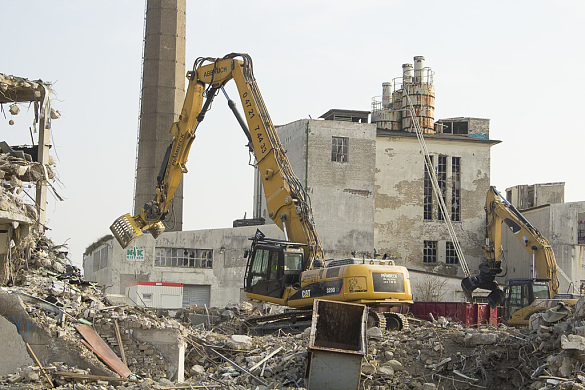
<point x="287" y="272"/>
<point x="522" y="297"/>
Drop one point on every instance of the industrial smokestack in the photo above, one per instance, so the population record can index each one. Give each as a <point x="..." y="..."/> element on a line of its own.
<point x="163" y="92"/>
<point x="386" y="95"/>
<point x="419" y="65"/>
<point x="407" y="74"/>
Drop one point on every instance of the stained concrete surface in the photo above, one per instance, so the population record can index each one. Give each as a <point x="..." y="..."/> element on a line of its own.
<point x="13" y="353"/>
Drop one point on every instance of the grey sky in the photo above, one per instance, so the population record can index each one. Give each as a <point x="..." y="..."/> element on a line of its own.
<point x="517" y="63"/>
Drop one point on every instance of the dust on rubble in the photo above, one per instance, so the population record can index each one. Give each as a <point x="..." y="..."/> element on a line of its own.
<point x="221" y="352"/>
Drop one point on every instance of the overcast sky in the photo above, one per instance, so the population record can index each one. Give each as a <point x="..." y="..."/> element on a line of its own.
<point x="517" y="63"/>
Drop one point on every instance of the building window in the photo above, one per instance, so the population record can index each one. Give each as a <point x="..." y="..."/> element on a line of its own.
<point x="456" y="189"/>
<point x="581" y="228"/>
<point x="430" y="252"/>
<point x="186" y="258"/>
<point x="339" y="149"/>
<point x="428" y="194"/>
<point x="100" y="259"/>
<point x="451" y="254"/>
<point x="442" y="180"/>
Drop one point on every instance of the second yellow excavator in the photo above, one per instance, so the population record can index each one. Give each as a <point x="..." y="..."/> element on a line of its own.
<point x="288" y="272"/>
<point x="522" y="297"/>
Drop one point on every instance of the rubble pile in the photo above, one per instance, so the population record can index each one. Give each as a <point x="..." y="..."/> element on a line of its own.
<point x="220" y="353"/>
<point x="14" y="172"/>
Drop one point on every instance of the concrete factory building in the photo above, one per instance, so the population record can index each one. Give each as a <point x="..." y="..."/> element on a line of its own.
<point x="370" y="192"/>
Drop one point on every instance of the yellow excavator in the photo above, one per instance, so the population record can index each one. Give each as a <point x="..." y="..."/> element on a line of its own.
<point x="521" y="298"/>
<point x="288" y="272"/>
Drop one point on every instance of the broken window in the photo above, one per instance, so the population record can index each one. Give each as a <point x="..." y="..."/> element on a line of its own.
<point x="581" y="228"/>
<point x="456" y="189"/>
<point x="460" y="127"/>
<point x="451" y="254"/>
<point x="184" y="258"/>
<point x="442" y="180"/>
<point x="339" y="146"/>
<point x="428" y="194"/>
<point x="430" y="252"/>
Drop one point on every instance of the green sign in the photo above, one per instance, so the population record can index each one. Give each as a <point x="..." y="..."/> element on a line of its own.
<point x="134" y="254"/>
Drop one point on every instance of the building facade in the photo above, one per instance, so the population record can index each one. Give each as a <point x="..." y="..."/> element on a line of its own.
<point x="371" y="195"/>
<point x="335" y="161"/>
<point x="209" y="263"/>
<point x="409" y="225"/>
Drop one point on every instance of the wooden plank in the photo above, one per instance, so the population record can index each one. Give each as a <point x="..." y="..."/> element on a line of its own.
<point x="100" y="348"/>
<point x="120" y="345"/>
<point x="39" y="363"/>
<point x="78" y="376"/>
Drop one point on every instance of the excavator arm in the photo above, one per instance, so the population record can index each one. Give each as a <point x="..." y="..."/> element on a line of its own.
<point x="286" y="199"/>
<point x="498" y="212"/>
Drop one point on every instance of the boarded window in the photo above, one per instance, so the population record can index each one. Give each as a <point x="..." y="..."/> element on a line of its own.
<point x="339" y="149"/>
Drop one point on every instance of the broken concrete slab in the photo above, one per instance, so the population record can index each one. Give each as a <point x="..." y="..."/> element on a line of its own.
<point x="47" y="345"/>
<point x="170" y="344"/>
<point x="13" y="353"/>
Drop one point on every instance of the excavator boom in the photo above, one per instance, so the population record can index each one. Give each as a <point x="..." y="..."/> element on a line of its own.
<point x="287" y="201"/>
<point x="286" y="272"/>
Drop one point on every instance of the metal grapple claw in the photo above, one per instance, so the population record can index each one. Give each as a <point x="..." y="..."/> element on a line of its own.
<point x="126" y="230"/>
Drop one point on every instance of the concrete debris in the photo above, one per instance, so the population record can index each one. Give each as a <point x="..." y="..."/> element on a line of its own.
<point x="46" y="298"/>
<point x="14" y="109"/>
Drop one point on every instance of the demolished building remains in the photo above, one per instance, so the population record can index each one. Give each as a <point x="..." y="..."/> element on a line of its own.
<point x="49" y="310"/>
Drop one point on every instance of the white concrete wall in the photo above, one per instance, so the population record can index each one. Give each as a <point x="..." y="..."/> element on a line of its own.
<point x="225" y="278"/>
<point x="342" y="194"/>
<point x="400" y="230"/>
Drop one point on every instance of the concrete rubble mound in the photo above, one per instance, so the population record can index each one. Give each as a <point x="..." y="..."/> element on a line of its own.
<point x="47" y="309"/>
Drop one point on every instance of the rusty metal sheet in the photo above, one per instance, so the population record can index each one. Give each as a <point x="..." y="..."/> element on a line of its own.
<point x="100" y="348"/>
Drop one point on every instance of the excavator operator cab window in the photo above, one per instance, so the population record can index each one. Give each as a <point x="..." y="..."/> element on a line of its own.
<point x="265" y="272"/>
<point x="519" y="297"/>
<point x="293" y="261"/>
<point x="541" y="291"/>
<point x="259" y="269"/>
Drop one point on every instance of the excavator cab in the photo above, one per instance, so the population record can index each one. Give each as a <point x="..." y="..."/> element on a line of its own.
<point x="520" y="293"/>
<point x="273" y="265"/>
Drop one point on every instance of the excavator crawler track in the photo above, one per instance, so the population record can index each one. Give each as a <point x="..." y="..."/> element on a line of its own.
<point x="376" y="319"/>
<point x="396" y="321"/>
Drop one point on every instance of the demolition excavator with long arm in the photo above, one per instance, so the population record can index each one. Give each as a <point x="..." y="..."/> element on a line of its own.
<point x="522" y="297"/>
<point x="288" y="272"/>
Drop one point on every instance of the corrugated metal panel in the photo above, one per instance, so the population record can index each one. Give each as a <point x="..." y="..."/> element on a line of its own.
<point x="196" y="295"/>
